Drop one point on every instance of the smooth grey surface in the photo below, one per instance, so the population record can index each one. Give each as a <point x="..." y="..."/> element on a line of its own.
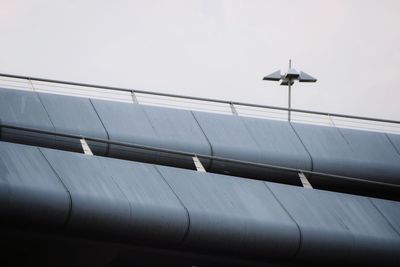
<point x="127" y="122"/>
<point x="98" y="205"/>
<point x="177" y="129"/>
<point x="339" y="227"/>
<point x="74" y="115"/>
<point x="395" y="141"/>
<point x="374" y="155"/>
<point x="119" y="199"/>
<point x="30" y="192"/>
<point x="278" y="143"/>
<point x="348" y="152"/>
<point x="390" y="210"/>
<point x="233" y="214"/>
<point x="152" y="126"/>
<point x="156" y="213"/>
<point x="24" y="109"/>
<point x="328" y="148"/>
<point x="229" y="138"/>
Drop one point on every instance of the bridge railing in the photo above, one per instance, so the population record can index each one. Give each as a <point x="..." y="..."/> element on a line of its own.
<point x="131" y="95"/>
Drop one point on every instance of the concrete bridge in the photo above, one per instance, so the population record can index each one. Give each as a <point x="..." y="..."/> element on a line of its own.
<point x="161" y="186"/>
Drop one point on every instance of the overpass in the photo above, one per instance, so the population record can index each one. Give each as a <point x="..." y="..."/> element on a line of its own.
<point x="192" y="188"/>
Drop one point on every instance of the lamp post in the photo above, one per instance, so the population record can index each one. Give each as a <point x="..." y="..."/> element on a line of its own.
<point x="288" y="79"/>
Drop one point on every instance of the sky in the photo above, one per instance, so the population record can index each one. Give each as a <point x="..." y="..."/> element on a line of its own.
<point x="215" y="48"/>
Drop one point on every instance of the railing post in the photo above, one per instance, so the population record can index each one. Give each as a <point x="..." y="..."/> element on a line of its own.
<point x="330" y="118"/>
<point x="30" y="82"/>
<point x="233" y="109"/>
<point x="134" y="99"/>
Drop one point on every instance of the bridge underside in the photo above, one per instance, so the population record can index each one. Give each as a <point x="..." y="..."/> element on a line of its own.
<point x="21" y="247"/>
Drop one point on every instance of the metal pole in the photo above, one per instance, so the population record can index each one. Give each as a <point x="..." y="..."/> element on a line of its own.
<point x="290" y="91"/>
<point x="289" y="99"/>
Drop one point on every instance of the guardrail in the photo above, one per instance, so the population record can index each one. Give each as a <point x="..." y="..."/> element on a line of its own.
<point x="305" y="177"/>
<point x="197" y="103"/>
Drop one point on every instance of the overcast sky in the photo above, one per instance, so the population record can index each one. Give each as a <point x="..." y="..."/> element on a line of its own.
<point x="215" y="48"/>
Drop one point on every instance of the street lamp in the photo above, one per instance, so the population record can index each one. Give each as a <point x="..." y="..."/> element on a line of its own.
<point x="288" y="79"/>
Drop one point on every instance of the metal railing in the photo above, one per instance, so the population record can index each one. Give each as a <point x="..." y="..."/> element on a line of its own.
<point x="197" y="103"/>
<point x="357" y="185"/>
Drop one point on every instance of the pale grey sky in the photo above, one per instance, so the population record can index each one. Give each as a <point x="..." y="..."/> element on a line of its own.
<point x="214" y="48"/>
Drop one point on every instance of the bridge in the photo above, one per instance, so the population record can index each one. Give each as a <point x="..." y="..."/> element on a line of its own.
<point x="104" y="176"/>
